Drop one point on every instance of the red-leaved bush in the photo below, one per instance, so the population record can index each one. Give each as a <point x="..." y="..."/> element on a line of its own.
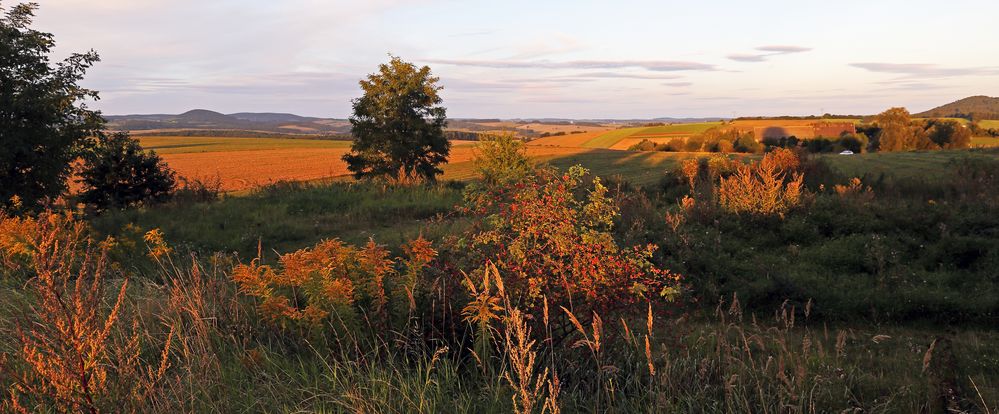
<point x="550" y="237"/>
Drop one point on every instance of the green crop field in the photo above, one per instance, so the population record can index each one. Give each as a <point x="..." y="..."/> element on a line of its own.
<point x="609" y="138"/>
<point x="185" y="145"/>
<point x="678" y="129"/>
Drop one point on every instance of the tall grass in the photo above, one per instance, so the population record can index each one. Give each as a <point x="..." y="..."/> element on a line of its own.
<point x="225" y="357"/>
<point x="413" y="332"/>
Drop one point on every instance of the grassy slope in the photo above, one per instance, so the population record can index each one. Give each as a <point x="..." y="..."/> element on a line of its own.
<point x="609" y="138"/>
<point x="929" y="164"/>
<point x="640" y="168"/>
<point x="992" y="123"/>
<point x="294" y="216"/>
<point x="678" y="129"/>
<point x="288" y="217"/>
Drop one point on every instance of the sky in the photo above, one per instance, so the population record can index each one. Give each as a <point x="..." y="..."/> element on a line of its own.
<point x="532" y="59"/>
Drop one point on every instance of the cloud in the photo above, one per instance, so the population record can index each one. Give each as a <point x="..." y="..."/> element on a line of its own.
<point x="651" y="65"/>
<point x="742" y="57"/>
<point x="771" y="50"/>
<point x="783" y="49"/>
<point x="678" y="84"/>
<point x="924" y="70"/>
<point x="619" y="75"/>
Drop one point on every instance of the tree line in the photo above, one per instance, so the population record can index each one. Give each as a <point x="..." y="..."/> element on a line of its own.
<point x="891" y="130"/>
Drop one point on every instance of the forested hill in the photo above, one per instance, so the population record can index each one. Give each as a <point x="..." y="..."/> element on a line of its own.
<point x="973" y="107"/>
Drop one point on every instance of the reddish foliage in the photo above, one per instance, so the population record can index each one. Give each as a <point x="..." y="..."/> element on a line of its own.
<point x="551" y="238"/>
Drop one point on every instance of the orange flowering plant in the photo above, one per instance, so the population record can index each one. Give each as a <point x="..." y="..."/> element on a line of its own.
<point x="335" y="281"/>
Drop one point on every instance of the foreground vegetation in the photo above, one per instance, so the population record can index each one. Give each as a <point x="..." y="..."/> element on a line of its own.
<point x="692" y="294"/>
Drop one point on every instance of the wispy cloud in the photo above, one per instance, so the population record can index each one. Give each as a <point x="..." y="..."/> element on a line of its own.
<point x="624" y="75"/>
<point x="651" y="65"/>
<point x="743" y="57"/>
<point x="771" y="50"/>
<point x="925" y="70"/>
<point x="678" y="84"/>
<point x="783" y="49"/>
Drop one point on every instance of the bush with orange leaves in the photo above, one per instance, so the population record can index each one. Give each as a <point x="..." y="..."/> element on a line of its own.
<point x="552" y="239"/>
<point x="71" y="354"/>
<point x="771" y="187"/>
<point x="334" y="281"/>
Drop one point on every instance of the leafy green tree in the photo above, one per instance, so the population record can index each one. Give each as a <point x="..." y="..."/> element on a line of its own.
<point x="675" y="145"/>
<point x="896" y="132"/>
<point x="949" y="134"/>
<point x="502" y="160"/>
<point x="853" y="142"/>
<point x="118" y="173"/>
<point x="694" y="143"/>
<point x="398" y="125"/>
<point x="748" y="143"/>
<point x="44" y="121"/>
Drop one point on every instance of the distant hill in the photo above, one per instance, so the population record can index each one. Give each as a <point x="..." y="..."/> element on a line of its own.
<point x="977" y="107"/>
<point x="272" y="117"/>
<point x="206" y="120"/>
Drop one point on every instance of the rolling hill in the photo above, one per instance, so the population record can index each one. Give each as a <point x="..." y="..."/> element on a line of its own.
<point x="978" y="107"/>
<point x="203" y="119"/>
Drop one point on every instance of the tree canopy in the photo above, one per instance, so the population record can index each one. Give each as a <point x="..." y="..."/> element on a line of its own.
<point x="118" y="173"/>
<point x="896" y="130"/>
<point x="398" y="125"/>
<point x="44" y="120"/>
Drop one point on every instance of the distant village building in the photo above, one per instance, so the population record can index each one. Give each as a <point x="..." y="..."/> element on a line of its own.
<point x="818" y="129"/>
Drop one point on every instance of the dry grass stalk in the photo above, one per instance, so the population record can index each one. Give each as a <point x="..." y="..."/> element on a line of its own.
<point x="68" y="357"/>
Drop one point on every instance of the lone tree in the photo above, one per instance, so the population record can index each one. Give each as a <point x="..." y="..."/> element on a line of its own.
<point x="44" y="122"/>
<point x="398" y="125"/>
<point x="118" y="173"/>
<point x="896" y="133"/>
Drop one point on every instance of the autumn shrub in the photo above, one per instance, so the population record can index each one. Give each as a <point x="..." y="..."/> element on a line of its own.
<point x="770" y="187"/>
<point x="336" y="283"/>
<point x="117" y="172"/>
<point x="552" y="240"/>
<point x="198" y="189"/>
<point x="855" y="190"/>
<point x="502" y="160"/>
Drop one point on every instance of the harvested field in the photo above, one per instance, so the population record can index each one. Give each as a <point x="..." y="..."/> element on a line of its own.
<point x="987" y="124"/>
<point x="244" y="163"/>
<point x="241" y="170"/>
<point x="984" y="142"/>
<point x="179" y="145"/>
<point x="571" y="140"/>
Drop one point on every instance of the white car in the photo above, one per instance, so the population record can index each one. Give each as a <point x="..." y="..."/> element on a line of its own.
<point x="846" y="152"/>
